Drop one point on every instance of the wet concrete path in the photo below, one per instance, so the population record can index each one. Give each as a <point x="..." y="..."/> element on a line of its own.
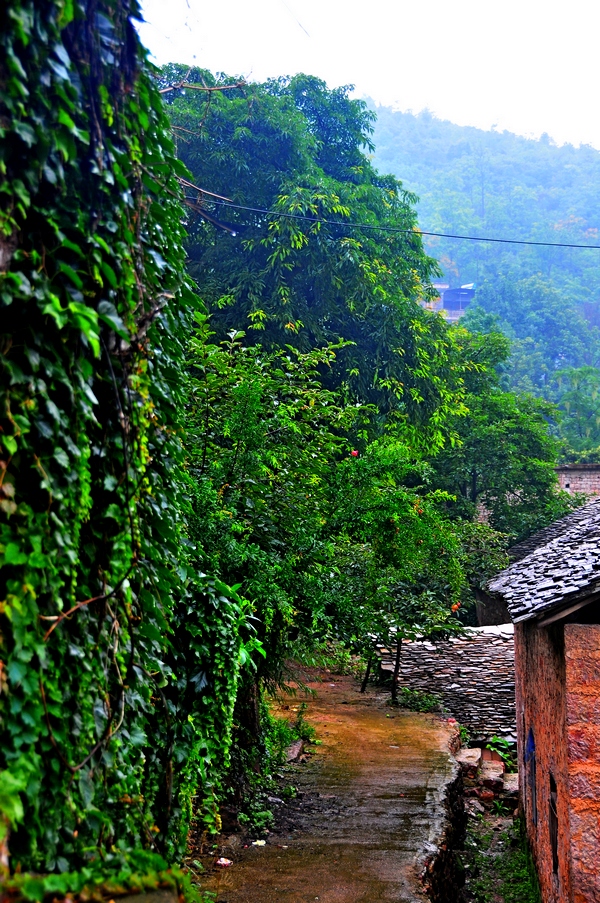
<point x="369" y="809"/>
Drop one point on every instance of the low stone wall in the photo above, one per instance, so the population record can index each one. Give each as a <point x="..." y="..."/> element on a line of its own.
<point x="439" y="871"/>
<point x="473" y="674"/>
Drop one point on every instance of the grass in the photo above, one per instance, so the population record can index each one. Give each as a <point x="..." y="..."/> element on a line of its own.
<point x="498" y="867"/>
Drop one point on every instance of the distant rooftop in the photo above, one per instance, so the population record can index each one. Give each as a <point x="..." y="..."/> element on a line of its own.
<point x="590" y="468"/>
<point x="453" y="301"/>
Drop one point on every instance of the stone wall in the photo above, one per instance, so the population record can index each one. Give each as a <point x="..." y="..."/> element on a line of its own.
<point x="440" y="872"/>
<point x="473" y="674"/>
<point x="582" y="660"/>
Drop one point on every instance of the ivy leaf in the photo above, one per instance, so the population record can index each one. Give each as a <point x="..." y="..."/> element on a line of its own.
<point x="62" y="457"/>
<point x="37" y="560"/>
<point x="110" y="274"/>
<point x="54" y="309"/>
<point x="87" y="321"/>
<point x="199" y="680"/>
<point x="25" y="133"/>
<point x="70" y="272"/>
<point x="65" y="119"/>
<point x="14" y="555"/>
<point x="86" y="788"/>
<point x="113" y="511"/>
<point x="137" y="736"/>
<point x="107" y="312"/>
<point x="64" y="142"/>
<point x="61" y="53"/>
<point x="10" y="444"/>
<point x="17" y="671"/>
<point x="10" y="801"/>
<point x="67" y="15"/>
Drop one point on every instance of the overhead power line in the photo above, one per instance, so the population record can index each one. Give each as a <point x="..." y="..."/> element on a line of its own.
<point x="394" y="229"/>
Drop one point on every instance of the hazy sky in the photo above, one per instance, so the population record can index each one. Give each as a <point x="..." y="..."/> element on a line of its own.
<point x="530" y="66"/>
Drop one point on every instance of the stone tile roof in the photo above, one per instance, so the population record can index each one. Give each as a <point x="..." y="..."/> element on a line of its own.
<point x="557" y="567"/>
<point x="543" y="537"/>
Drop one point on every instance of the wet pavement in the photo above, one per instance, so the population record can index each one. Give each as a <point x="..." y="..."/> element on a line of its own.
<point x="368" y="812"/>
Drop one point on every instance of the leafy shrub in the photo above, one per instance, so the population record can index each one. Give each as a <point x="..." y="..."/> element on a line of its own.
<point x="419" y="700"/>
<point x="506" y="750"/>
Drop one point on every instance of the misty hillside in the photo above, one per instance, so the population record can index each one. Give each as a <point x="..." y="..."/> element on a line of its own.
<point x="500" y="185"/>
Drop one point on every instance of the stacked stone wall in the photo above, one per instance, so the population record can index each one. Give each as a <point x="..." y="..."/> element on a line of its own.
<point x="472" y="674"/>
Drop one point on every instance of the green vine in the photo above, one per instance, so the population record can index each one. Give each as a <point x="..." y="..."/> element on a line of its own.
<point x="119" y="661"/>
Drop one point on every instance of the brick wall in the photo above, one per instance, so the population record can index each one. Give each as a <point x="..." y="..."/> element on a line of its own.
<point x="541" y="718"/>
<point x="582" y="655"/>
<point x="580" y="478"/>
<point x="473" y="674"/>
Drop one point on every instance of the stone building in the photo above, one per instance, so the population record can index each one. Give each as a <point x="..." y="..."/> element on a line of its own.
<point x="553" y="597"/>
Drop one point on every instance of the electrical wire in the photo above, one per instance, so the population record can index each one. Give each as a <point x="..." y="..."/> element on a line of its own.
<point x="296" y="19"/>
<point x="394" y="229"/>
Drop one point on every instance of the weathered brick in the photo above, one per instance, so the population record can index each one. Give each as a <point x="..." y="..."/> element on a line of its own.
<point x="583" y="743"/>
<point x="581" y="640"/>
<point x="585" y="784"/>
<point x="580" y="478"/>
<point x="583" y="707"/>
<point x="585" y="824"/>
<point x="583" y="673"/>
<point x="540" y="681"/>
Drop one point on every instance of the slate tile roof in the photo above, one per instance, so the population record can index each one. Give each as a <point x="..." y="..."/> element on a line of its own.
<point x="557" y="567"/>
<point x="554" y="530"/>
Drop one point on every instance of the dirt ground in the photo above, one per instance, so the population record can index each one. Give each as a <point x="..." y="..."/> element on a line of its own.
<point x="369" y="803"/>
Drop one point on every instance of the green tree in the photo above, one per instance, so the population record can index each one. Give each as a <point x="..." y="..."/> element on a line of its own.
<point x="295" y="149"/>
<point x="263" y="441"/>
<point x="327" y="542"/>
<point x="402" y="565"/>
<point x="577" y="391"/>
<point x="503" y="466"/>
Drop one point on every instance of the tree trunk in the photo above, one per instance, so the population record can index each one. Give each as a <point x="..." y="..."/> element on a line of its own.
<point x="396" y="671"/>
<point x="363" y="686"/>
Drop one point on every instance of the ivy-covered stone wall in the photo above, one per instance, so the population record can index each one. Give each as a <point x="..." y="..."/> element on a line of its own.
<point x="119" y="660"/>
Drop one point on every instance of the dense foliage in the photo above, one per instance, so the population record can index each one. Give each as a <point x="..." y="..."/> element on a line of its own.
<point x="119" y="660"/>
<point x="328" y="543"/>
<point x="473" y="182"/>
<point x="330" y="478"/>
<point x="299" y="428"/>
<point x="294" y="148"/>
<point x="503" y="463"/>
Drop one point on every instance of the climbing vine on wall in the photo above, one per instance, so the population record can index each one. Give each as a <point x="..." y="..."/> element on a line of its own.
<point x="118" y="661"/>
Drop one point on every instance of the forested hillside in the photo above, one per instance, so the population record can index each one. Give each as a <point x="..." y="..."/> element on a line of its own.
<point x="547" y="300"/>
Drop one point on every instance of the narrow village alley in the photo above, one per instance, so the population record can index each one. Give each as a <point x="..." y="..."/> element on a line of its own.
<point x="368" y="816"/>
